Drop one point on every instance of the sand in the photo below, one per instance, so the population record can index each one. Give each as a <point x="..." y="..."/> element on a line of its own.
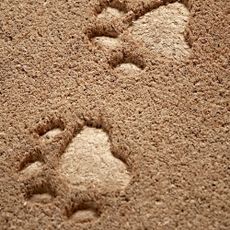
<point x="114" y="114"/>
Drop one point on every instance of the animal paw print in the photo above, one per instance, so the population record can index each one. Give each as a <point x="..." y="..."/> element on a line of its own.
<point x="158" y="25"/>
<point x="76" y="159"/>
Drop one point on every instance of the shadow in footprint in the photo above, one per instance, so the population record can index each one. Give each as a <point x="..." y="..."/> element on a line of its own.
<point x="49" y="129"/>
<point x="40" y="192"/>
<point x="84" y="213"/>
<point x="31" y="166"/>
<point x="31" y="169"/>
<point x="128" y="62"/>
<point x="51" y="133"/>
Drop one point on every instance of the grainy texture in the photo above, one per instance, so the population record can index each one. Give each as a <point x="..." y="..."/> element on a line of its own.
<point x="166" y="119"/>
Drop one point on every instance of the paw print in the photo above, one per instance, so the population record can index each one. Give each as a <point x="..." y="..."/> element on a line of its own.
<point x="74" y="160"/>
<point x="124" y="26"/>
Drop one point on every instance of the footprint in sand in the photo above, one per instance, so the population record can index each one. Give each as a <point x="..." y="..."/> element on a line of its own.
<point x="86" y="163"/>
<point x="159" y="28"/>
<point x="162" y="30"/>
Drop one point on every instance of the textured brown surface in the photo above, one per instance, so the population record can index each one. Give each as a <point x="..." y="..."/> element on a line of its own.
<point x="166" y="120"/>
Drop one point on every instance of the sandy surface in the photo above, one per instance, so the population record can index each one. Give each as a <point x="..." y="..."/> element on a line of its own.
<point x="114" y="114"/>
